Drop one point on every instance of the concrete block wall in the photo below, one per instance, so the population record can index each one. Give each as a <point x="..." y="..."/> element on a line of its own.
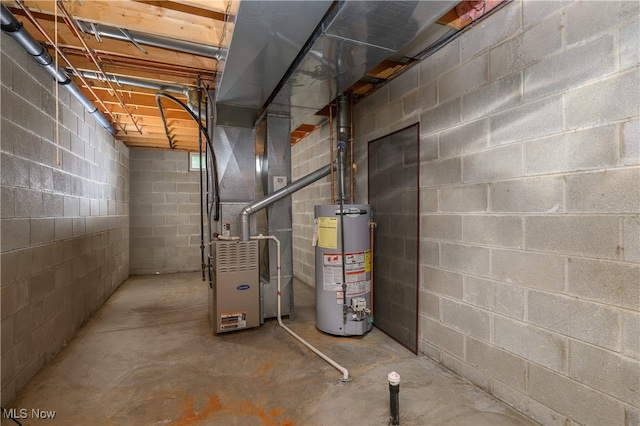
<point x="165" y="212"/>
<point x="307" y="156"/>
<point x="530" y="205"/>
<point x="64" y="227"/>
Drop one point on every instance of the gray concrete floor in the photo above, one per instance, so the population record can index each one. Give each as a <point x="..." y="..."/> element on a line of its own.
<point x="148" y="358"/>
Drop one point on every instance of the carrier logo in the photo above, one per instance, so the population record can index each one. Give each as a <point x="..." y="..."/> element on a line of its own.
<point x="243" y="287"/>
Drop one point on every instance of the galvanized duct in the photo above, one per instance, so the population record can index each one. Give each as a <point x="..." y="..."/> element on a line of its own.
<point x="343" y="125"/>
<point x="334" y="45"/>
<point x="15" y="29"/>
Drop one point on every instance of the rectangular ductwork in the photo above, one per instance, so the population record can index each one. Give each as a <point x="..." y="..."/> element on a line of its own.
<point x="296" y="57"/>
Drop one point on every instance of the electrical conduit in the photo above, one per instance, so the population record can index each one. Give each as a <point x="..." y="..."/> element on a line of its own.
<point x="344" y="371"/>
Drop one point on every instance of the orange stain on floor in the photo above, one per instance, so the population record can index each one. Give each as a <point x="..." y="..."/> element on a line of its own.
<point x="217" y="408"/>
<point x="263" y="370"/>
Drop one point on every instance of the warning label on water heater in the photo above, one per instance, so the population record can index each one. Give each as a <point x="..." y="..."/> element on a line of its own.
<point x="355" y="271"/>
<point x="327" y="230"/>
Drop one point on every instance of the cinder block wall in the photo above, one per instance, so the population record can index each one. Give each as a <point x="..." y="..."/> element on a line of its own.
<point x="530" y="202"/>
<point x="64" y="228"/>
<point x="307" y="156"/>
<point x="165" y="212"/>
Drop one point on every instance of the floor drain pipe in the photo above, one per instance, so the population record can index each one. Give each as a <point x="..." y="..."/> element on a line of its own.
<point x="394" y="398"/>
<point x="345" y="373"/>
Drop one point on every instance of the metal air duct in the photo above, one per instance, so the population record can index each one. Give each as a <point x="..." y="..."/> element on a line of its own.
<point x="299" y="68"/>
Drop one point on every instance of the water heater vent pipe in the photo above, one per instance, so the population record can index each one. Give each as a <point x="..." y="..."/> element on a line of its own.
<point x="344" y="136"/>
<point x="278" y="195"/>
<point x="344" y="371"/>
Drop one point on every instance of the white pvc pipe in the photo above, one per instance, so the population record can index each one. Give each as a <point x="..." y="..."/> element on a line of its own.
<point x="344" y="371"/>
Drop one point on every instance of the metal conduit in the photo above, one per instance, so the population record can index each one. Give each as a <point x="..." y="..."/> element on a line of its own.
<point x="172" y="88"/>
<point x="151" y="40"/>
<point x="15" y="29"/>
<point x="278" y="195"/>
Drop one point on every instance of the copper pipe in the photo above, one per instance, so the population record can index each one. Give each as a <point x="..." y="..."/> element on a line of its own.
<point x="331" y="152"/>
<point x="63" y="56"/>
<point x="69" y="20"/>
<point x="372" y="226"/>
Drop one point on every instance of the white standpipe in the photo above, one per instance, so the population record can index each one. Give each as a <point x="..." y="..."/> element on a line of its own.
<point x="344" y="371"/>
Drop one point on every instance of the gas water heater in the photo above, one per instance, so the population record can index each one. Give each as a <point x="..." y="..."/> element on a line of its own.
<point x="343" y="269"/>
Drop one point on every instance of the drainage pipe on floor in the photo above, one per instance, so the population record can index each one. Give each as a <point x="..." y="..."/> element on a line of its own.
<point x="394" y="398"/>
<point x="278" y="195"/>
<point x="15" y="29"/>
<point x="344" y="371"/>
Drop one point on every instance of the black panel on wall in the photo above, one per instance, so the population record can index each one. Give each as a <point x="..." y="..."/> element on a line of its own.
<point x="394" y="172"/>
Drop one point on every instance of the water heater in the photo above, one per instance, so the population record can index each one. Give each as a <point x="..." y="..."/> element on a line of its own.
<point x="343" y="269"/>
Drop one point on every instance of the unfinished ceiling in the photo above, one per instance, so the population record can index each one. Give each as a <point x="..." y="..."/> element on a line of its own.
<point x="122" y="53"/>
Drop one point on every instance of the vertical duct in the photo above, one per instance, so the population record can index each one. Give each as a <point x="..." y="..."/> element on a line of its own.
<point x="343" y="125"/>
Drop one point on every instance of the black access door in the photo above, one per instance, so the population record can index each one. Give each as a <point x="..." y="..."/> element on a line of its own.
<point x="394" y="171"/>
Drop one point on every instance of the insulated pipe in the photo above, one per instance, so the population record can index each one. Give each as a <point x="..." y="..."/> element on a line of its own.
<point x="15" y="29"/>
<point x="344" y="371"/>
<point x="276" y="196"/>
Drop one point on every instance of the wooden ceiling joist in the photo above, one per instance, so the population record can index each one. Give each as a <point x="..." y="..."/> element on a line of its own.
<point x="138" y="16"/>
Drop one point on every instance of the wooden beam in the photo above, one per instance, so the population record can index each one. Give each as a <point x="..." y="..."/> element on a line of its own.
<point x="186" y="8"/>
<point x="152" y="112"/>
<point x="452" y="20"/>
<point x="154" y="143"/>
<point x="125" y="49"/>
<point x="155" y="122"/>
<point x="213" y="5"/>
<point x="136" y="16"/>
<point x="157" y="142"/>
<point x="158" y="74"/>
